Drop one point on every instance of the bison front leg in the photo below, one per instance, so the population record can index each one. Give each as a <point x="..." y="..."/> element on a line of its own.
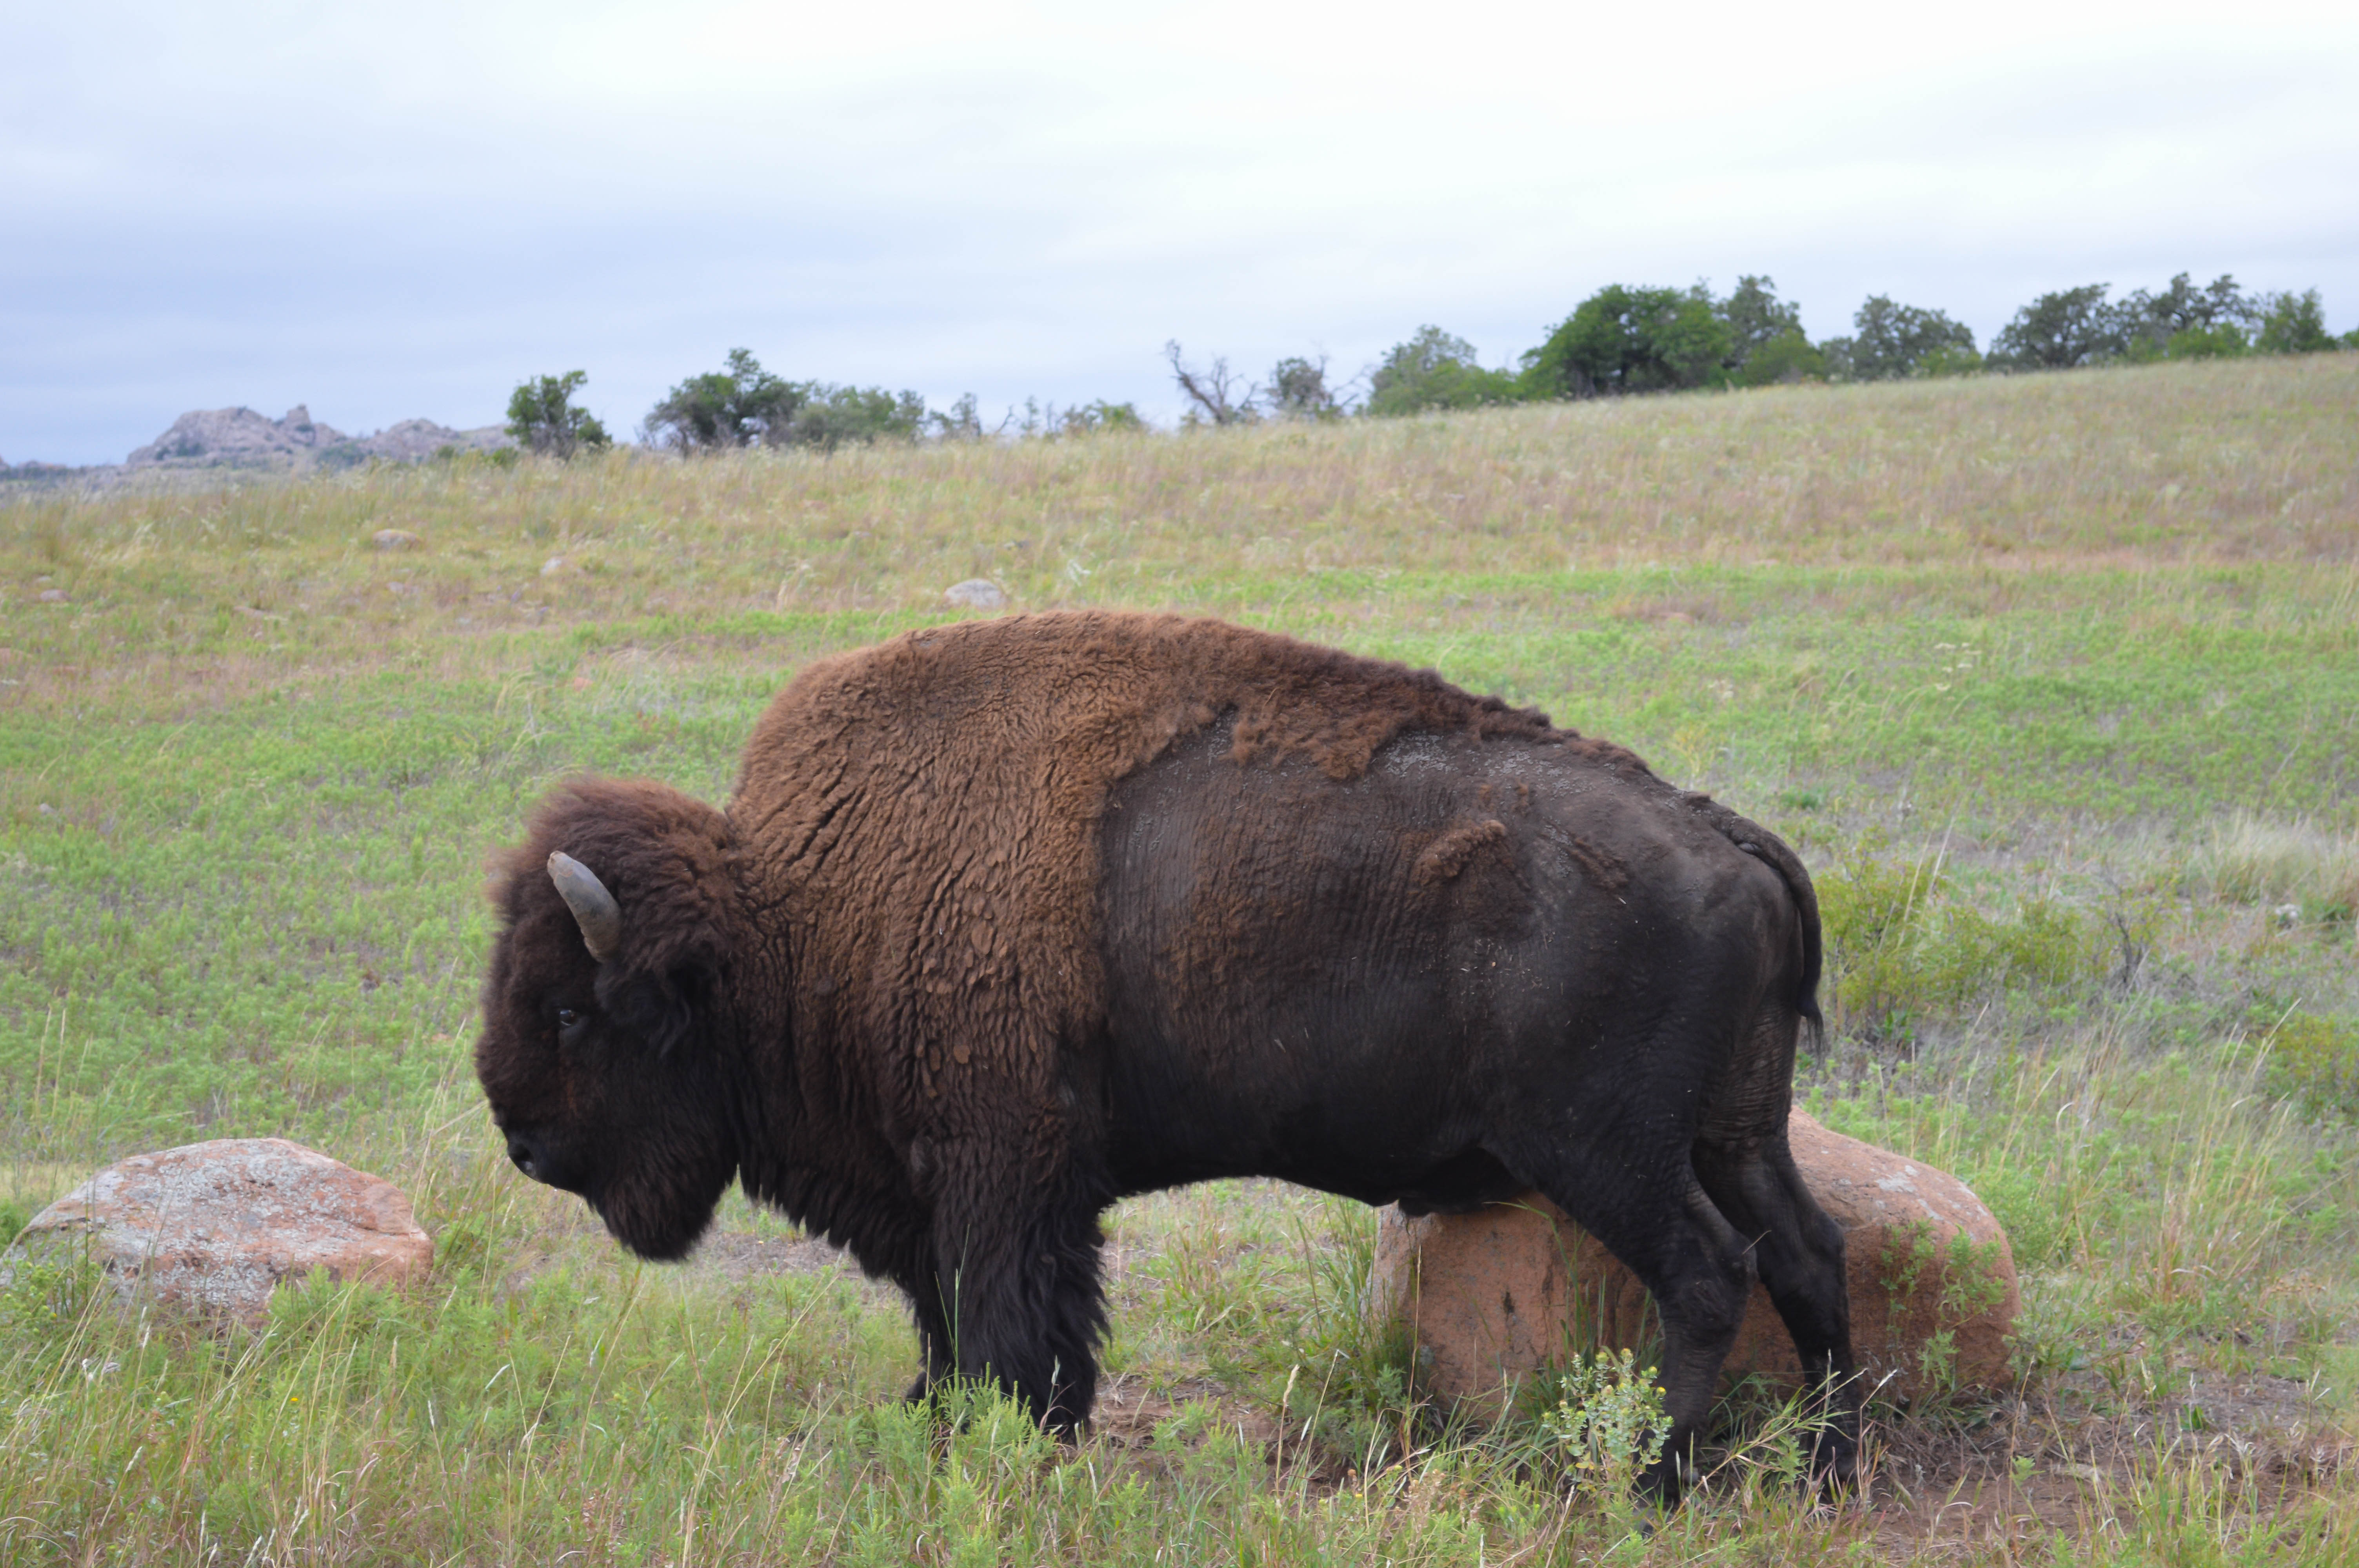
<point x="1015" y="1286"/>
<point x="933" y="1336"/>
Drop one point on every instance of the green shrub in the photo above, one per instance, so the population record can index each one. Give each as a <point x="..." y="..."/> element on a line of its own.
<point x="48" y="1288"/>
<point x="1766" y="344"/>
<point x="2223" y="341"/>
<point x="2314" y="1061"/>
<point x="1901" y="949"/>
<point x="1435" y="369"/>
<point x="1298" y="390"/>
<point x="1948" y="358"/>
<point x="2293" y="324"/>
<point x="1099" y="417"/>
<point x="2183" y="321"/>
<point x="1788" y="357"/>
<point x="831" y="416"/>
<point x="1873" y="914"/>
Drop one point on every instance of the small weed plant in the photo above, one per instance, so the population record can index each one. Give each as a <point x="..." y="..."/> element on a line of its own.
<point x="1608" y="1423"/>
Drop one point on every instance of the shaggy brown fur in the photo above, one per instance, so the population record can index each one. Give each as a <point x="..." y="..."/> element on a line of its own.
<point x="927" y="812"/>
<point x="1005" y="919"/>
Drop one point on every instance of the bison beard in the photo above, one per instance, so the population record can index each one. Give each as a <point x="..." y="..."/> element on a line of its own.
<point x="1005" y="920"/>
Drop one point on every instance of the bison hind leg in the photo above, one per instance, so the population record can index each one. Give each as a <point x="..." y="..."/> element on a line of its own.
<point x="1744" y="1163"/>
<point x="1798" y="1253"/>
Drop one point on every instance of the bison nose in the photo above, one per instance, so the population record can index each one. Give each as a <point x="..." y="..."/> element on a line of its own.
<point x="522" y="1152"/>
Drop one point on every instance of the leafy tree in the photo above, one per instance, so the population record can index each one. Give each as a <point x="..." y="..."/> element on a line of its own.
<point x="2293" y="324"/>
<point x="744" y="405"/>
<point x="2056" y="331"/>
<point x="1215" y="397"/>
<point x="1435" y="369"/>
<point x="1950" y="359"/>
<point x="963" y="422"/>
<point x="1298" y="390"/>
<point x="1788" y="356"/>
<point x="736" y="407"/>
<point x="1890" y="341"/>
<point x="831" y="416"/>
<point x="1098" y="418"/>
<point x="2223" y="342"/>
<point x="2184" y="322"/>
<point x="1631" y="340"/>
<point x="543" y="416"/>
<point x="1767" y="344"/>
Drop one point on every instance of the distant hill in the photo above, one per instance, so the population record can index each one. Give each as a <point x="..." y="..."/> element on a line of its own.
<point x="212" y="440"/>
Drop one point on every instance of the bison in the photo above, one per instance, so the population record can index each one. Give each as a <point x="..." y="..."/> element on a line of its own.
<point x="1009" y="919"/>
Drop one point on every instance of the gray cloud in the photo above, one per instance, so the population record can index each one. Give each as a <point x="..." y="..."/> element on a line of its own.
<point x="400" y="211"/>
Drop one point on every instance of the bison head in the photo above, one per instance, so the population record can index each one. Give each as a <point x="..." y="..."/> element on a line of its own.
<point x="607" y="1050"/>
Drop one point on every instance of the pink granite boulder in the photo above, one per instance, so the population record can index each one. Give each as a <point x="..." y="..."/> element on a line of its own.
<point x="1491" y="1296"/>
<point x="214" y="1226"/>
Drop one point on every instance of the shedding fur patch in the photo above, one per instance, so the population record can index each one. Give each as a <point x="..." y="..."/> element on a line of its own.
<point x="1447" y="855"/>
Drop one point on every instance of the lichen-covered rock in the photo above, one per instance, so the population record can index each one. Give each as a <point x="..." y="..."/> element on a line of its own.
<point x="975" y="593"/>
<point x="214" y="1226"/>
<point x="1493" y="1295"/>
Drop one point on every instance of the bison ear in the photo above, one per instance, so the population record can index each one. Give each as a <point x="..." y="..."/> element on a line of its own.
<point x="666" y="969"/>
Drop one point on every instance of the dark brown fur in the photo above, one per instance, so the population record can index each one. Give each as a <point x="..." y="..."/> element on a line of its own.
<point x="877" y="989"/>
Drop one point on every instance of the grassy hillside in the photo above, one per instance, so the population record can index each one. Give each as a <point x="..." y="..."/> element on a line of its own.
<point x="2054" y="680"/>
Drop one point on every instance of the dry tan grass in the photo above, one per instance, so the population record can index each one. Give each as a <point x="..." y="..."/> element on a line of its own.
<point x="2201" y="462"/>
<point x="2248" y="859"/>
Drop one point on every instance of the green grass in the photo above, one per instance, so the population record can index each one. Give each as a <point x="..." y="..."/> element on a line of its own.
<point x="2055" y="680"/>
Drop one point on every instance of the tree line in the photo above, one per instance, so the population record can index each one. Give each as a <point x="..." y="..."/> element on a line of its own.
<point x="1622" y="340"/>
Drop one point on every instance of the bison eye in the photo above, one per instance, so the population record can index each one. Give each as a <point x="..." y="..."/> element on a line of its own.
<point x="567" y="1018"/>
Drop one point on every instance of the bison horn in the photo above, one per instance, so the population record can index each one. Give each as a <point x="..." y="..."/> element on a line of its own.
<point x="595" y="909"/>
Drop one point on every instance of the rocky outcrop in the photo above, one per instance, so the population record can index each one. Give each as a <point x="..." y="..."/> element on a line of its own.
<point x="240" y="438"/>
<point x="414" y="438"/>
<point x="214" y="1228"/>
<point x="1491" y="1296"/>
<point x="236" y="437"/>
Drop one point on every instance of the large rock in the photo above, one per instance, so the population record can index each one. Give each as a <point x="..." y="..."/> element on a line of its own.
<point x="975" y="593"/>
<point x="214" y="1226"/>
<point x="1493" y="1295"/>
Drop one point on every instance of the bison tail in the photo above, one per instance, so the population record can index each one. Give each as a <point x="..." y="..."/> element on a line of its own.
<point x="1797" y="878"/>
<point x="1779" y="856"/>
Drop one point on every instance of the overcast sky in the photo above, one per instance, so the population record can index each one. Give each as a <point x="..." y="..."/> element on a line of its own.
<point x="387" y="211"/>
